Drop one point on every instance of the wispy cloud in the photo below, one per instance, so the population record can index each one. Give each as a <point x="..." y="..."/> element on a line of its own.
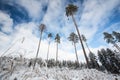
<point x="6" y="22"/>
<point x="35" y="8"/>
<point x="95" y="15"/>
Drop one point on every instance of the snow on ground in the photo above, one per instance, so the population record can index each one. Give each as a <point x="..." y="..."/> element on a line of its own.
<point x="21" y="71"/>
<point x="56" y="74"/>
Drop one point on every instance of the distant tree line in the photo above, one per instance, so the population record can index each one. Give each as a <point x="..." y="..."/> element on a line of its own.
<point x="5" y="63"/>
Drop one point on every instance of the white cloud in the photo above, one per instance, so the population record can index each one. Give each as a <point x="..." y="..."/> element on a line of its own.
<point x="95" y="15"/>
<point x="34" y="7"/>
<point x="4" y="40"/>
<point x="54" y="15"/>
<point x="6" y="22"/>
<point x="29" y="47"/>
<point x="21" y="30"/>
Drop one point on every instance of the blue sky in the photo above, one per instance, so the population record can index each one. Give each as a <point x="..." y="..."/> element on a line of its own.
<point x="21" y="18"/>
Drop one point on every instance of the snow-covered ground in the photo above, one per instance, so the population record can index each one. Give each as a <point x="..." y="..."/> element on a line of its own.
<point x="56" y="74"/>
<point x="21" y="71"/>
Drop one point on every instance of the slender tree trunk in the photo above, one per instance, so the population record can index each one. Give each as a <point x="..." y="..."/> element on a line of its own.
<point x="11" y="68"/>
<point x="48" y="51"/>
<point x="87" y="47"/>
<point x="117" y="46"/>
<point x="80" y="41"/>
<point x="56" y="54"/>
<point x="37" y="50"/>
<point x="76" y="52"/>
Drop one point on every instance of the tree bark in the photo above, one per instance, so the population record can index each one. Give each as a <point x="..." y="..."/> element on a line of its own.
<point x="87" y="47"/>
<point x="57" y="54"/>
<point x="80" y="41"/>
<point x="48" y="51"/>
<point x="37" y="50"/>
<point x="76" y="52"/>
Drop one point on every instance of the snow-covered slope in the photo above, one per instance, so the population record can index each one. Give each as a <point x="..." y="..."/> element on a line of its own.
<point x="56" y="74"/>
<point x="19" y="70"/>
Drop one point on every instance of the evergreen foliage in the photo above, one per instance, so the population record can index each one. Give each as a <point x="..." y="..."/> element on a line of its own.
<point x="109" y="60"/>
<point x="93" y="63"/>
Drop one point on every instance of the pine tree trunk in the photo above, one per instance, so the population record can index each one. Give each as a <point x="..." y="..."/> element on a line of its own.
<point x="88" y="47"/>
<point x="37" y="50"/>
<point x="76" y="52"/>
<point x="48" y="51"/>
<point x="57" y="54"/>
<point x="80" y="41"/>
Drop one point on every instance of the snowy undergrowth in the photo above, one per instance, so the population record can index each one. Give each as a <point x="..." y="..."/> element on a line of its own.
<point x="57" y="74"/>
<point x="21" y="71"/>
